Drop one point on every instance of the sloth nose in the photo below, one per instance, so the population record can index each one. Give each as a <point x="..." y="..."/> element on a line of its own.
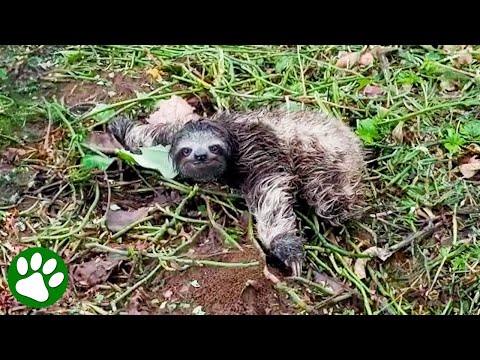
<point x="200" y="156"/>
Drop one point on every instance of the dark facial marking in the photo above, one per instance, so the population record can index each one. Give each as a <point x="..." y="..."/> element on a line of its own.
<point x="214" y="149"/>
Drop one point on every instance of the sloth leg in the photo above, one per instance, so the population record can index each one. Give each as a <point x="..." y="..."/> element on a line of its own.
<point x="271" y="201"/>
<point x="329" y="193"/>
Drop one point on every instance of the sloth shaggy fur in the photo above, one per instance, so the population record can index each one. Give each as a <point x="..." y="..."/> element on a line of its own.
<point x="274" y="157"/>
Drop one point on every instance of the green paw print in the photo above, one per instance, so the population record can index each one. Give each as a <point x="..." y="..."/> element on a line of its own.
<point x="37" y="277"/>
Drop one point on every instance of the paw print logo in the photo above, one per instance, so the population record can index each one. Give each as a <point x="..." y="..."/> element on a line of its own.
<point x="38" y="277"/>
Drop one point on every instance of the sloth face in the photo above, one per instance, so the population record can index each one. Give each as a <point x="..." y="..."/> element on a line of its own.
<point x="201" y="151"/>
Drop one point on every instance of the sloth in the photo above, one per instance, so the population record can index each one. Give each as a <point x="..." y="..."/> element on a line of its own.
<point x="275" y="158"/>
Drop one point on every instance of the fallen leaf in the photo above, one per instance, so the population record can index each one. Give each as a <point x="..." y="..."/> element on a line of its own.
<point x="13" y="154"/>
<point x="453" y="48"/>
<point x="448" y="85"/>
<point x="96" y="162"/>
<point x="335" y="285"/>
<point x="348" y="60"/>
<point x="104" y="142"/>
<point x="366" y="59"/>
<point x="155" y="74"/>
<point x="249" y="293"/>
<point x="372" y="90"/>
<point x="397" y="133"/>
<point x="155" y="157"/>
<point x="359" y="267"/>
<point x="469" y="169"/>
<point x="118" y="220"/>
<point x="136" y="304"/>
<point x="465" y="57"/>
<point x="475" y="148"/>
<point x="172" y="110"/>
<point x="166" y="198"/>
<point x="95" y="271"/>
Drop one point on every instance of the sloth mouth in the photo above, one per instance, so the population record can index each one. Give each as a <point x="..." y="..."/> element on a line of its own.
<point x="202" y="170"/>
<point x="203" y="163"/>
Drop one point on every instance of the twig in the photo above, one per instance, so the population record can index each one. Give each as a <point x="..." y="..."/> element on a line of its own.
<point x="131" y="226"/>
<point x="293" y="295"/>
<point x="175" y="258"/>
<point x="126" y="293"/>
<point x="323" y="289"/>
<point x="416" y="236"/>
<point x="76" y="230"/>
<point x="217" y="227"/>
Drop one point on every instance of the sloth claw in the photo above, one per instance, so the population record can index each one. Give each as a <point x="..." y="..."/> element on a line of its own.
<point x="289" y="250"/>
<point x="296" y="267"/>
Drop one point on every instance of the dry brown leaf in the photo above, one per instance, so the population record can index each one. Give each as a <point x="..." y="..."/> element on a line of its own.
<point x="117" y="220"/>
<point x="359" y="267"/>
<point x="12" y="155"/>
<point x="397" y="133"/>
<point x="104" y="142"/>
<point x="469" y="169"/>
<point x="474" y="148"/>
<point x="453" y="48"/>
<point x="172" y="110"/>
<point x="335" y="285"/>
<point x="249" y="293"/>
<point x="95" y="271"/>
<point x="136" y="305"/>
<point x="465" y="57"/>
<point x="155" y="74"/>
<point x="366" y="59"/>
<point x="348" y="60"/>
<point x="372" y="90"/>
<point x="448" y="85"/>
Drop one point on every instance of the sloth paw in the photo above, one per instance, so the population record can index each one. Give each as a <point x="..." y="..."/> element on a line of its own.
<point x="289" y="250"/>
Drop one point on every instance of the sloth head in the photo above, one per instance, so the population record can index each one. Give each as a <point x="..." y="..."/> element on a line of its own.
<point x="202" y="150"/>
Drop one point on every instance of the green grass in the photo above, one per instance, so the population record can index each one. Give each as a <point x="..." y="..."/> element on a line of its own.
<point x="416" y="132"/>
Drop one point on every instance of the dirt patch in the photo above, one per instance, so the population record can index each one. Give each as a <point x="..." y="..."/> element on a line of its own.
<point x="118" y="88"/>
<point x="225" y="291"/>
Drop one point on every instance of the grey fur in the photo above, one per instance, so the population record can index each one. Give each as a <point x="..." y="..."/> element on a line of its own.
<point x="274" y="157"/>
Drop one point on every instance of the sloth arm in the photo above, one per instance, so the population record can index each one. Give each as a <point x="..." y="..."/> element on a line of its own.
<point x="268" y="190"/>
<point x="134" y="135"/>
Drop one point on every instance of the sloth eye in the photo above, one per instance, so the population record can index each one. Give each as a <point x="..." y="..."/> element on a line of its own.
<point x="214" y="148"/>
<point x="186" y="151"/>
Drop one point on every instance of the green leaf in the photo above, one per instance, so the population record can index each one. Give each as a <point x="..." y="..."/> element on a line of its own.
<point x="104" y="115"/>
<point x="471" y="129"/>
<point x="362" y="82"/>
<point x="155" y="158"/>
<point x="368" y="131"/>
<point x="453" y="141"/>
<point x="71" y="56"/>
<point x="126" y="156"/>
<point x="283" y="63"/>
<point x="96" y="162"/>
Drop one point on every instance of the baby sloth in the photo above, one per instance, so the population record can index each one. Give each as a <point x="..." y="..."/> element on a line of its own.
<point x="274" y="157"/>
